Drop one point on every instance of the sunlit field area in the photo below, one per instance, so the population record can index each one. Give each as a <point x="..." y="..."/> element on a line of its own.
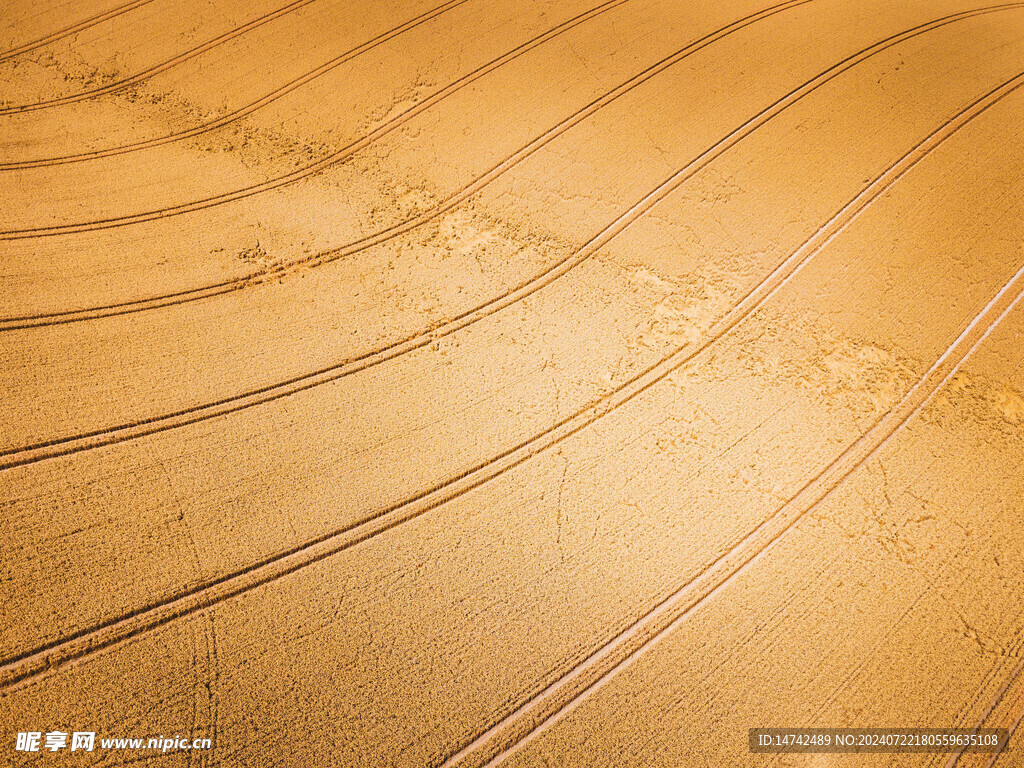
<point x="531" y="383"/>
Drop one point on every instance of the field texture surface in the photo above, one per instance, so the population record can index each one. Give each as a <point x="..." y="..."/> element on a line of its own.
<point x="535" y="383"/>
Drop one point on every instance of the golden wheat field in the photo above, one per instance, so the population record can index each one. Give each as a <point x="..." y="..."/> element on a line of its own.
<point x="534" y="383"/>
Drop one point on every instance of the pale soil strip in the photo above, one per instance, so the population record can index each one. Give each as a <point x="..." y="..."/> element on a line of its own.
<point x="334" y="158"/>
<point x="34" y="663"/>
<point x="238" y="114"/>
<point x="64" y="446"/>
<point x="433" y="213"/>
<point x="556" y="701"/>
<point x="158" y="68"/>
<point x="73" y="29"/>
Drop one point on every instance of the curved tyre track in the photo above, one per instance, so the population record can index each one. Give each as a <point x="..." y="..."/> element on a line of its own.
<point x="554" y="702"/>
<point x="158" y="68"/>
<point x="248" y="109"/>
<point x="122" y="433"/>
<point x="60" y="34"/>
<point x="29" y="665"/>
<point x="333" y="159"/>
<point x="388" y="233"/>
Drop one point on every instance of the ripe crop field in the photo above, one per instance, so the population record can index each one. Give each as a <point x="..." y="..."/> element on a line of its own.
<point x="536" y="383"/>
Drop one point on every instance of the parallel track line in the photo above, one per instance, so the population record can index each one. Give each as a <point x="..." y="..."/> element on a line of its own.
<point x="25" y="667"/>
<point x="158" y="68"/>
<point x="73" y="29"/>
<point x="413" y="222"/>
<point x="330" y="160"/>
<point x="554" y="702"/>
<point x="64" y="446"/>
<point x="248" y="109"/>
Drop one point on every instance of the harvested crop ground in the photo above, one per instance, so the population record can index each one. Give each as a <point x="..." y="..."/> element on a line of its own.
<point x="535" y="383"/>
